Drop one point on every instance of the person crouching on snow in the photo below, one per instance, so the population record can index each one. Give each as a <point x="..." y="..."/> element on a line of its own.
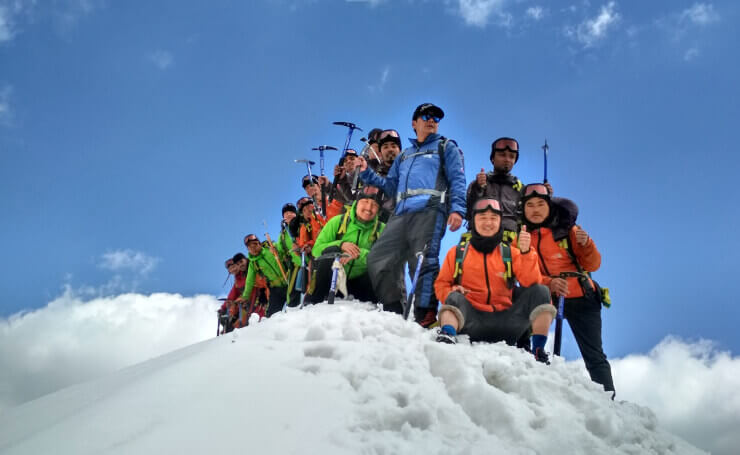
<point x="476" y="284"/>
<point x="353" y="233"/>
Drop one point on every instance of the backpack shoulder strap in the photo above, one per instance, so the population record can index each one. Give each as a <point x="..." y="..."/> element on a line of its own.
<point x="508" y="269"/>
<point x="343" y="226"/>
<point x="460" y="252"/>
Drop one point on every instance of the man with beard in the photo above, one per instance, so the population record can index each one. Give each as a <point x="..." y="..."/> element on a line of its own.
<point x="566" y="257"/>
<point x="500" y="185"/>
<point x="476" y="284"/>
<point x="354" y="234"/>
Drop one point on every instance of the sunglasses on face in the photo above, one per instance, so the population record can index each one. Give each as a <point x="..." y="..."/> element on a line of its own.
<point x="427" y="117"/>
<point x="485" y="204"/>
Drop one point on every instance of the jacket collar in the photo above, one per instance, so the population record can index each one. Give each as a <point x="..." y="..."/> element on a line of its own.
<point x="431" y="138"/>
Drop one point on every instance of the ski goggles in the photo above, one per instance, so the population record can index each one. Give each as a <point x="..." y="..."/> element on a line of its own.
<point x="368" y="191"/>
<point x="251" y="238"/>
<point x="482" y="205"/>
<point x="427" y="117"/>
<point x="302" y="202"/>
<point x="229" y="263"/>
<point x="536" y="189"/>
<point x="505" y="143"/>
<point x="388" y="133"/>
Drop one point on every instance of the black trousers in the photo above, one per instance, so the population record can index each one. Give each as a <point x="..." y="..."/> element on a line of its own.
<point x="277" y="300"/>
<point x="584" y="319"/>
<point x="403" y="237"/>
<point x="508" y="325"/>
<point x="360" y="287"/>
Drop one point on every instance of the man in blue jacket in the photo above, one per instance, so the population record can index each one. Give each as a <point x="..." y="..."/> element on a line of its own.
<point x="428" y="182"/>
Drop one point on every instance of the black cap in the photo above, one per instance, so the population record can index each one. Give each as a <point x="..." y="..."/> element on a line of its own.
<point x="289" y="208"/>
<point x="238" y="257"/>
<point x="307" y="180"/>
<point x="372" y="136"/>
<point x="428" y="108"/>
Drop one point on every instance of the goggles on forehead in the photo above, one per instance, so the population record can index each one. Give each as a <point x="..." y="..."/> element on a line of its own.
<point x="536" y="189"/>
<point x="369" y="190"/>
<point x="504" y="144"/>
<point x="487" y="204"/>
<point x="388" y="133"/>
<point x="251" y="238"/>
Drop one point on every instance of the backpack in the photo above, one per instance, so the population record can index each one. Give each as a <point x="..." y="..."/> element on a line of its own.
<point x="462" y="250"/>
<point x="566" y="213"/>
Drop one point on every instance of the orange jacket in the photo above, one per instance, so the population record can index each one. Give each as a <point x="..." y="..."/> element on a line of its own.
<point x="555" y="259"/>
<point x="310" y="231"/>
<point x="334" y="208"/>
<point x="487" y="293"/>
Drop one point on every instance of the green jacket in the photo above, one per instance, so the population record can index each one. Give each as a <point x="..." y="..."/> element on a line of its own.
<point x="355" y="231"/>
<point x="267" y="265"/>
<point x="284" y="246"/>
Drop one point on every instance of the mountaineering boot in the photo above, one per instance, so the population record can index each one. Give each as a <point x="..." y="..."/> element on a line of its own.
<point x="425" y="317"/>
<point x="447" y="334"/>
<point x="541" y="356"/>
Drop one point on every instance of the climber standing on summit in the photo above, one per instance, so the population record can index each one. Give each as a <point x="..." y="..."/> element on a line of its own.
<point x="427" y="180"/>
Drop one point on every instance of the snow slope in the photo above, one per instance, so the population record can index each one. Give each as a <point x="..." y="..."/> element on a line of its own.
<point x="336" y="380"/>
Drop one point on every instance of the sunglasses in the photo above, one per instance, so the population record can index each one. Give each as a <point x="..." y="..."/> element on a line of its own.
<point x="505" y="144"/>
<point x="537" y="189"/>
<point x="486" y="204"/>
<point x="427" y="117"/>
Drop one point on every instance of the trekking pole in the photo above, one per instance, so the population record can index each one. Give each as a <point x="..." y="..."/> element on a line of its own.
<point x="559" y="326"/>
<point x="321" y="149"/>
<point x="279" y="263"/>
<point x="412" y="291"/>
<point x="546" y="149"/>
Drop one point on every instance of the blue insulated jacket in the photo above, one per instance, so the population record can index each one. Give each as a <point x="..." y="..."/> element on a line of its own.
<point x="412" y="179"/>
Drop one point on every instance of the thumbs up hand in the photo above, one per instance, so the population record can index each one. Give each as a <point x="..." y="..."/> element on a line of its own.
<point x="480" y="179"/>
<point x="581" y="236"/>
<point x="525" y="240"/>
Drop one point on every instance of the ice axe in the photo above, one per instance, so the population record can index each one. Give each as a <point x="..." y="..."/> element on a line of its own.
<point x="352" y="127"/>
<point x="321" y="149"/>
<point x="412" y="291"/>
<point x="546" y="149"/>
<point x="335" y="266"/>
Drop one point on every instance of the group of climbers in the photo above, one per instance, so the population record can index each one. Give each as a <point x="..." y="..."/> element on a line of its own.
<point x="501" y="282"/>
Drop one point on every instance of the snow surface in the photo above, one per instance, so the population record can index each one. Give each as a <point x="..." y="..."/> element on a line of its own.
<point x="336" y="380"/>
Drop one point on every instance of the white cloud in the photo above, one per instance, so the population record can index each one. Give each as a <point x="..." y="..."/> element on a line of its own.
<point x="162" y="59"/>
<point x="591" y="31"/>
<point x="71" y="340"/>
<point x="691" y="54"/>
<point x="535" y="12"/>
<point x="128" y="260"/>
<point x="6" y="27"/>
<point x="6" y="111"/>
<point x="383" y="79"/>
<point x="480" y="12"/>
<point x="692" y="388"/>
<point x="700" y="14"/>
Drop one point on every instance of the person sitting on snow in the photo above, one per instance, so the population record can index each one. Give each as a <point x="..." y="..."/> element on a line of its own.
<point x="566" y="254"/>
<point x="353" y="233"/>
<point x="476" y="284"/>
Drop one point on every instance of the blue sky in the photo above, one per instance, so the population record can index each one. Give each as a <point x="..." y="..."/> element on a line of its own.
<point x="140" y="141"/>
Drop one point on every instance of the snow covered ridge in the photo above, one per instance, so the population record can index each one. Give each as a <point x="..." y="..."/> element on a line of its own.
<point x="336" y="380"/>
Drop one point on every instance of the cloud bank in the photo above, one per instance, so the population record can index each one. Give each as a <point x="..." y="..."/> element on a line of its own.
<point x="595" y="29"/>
<point x="73" y="340"/>
<point x="691" y="387"/>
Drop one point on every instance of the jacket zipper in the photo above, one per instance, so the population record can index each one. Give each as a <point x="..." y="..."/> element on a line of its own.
<point x="488" y="284"/>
